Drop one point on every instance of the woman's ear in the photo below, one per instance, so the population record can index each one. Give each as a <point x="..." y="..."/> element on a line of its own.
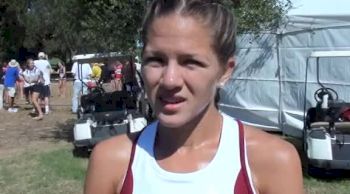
<point x="229" y="67"/>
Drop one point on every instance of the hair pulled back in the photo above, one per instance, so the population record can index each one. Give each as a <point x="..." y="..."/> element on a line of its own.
<point x="211" y="13"/>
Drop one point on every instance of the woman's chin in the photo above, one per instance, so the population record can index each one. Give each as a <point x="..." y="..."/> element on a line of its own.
<point x="172" y="121"/>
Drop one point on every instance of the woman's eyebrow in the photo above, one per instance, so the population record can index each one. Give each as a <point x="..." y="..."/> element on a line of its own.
<point x="154" y="53"/>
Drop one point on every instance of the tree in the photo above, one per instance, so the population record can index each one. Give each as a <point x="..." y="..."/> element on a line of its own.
<point x="11" y="29"/>
<point x="258" y="15"/>
<point x="67" y="27"/>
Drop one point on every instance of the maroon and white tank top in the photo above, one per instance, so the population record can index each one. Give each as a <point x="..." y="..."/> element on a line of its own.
<point x="227" y="173"/>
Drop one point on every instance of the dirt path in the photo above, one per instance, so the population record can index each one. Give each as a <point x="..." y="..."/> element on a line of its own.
<point x="19" y="130"/>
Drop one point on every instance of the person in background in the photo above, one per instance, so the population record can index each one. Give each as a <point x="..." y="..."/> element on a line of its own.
<point x="129" y="75"/>
<point x="62" y="79"/>
<point x="35" y="79"/>
<point x="118" y="76"/>
<point x="45" y="67"/>
<point x="11" y="76"/>
<point x="109" y="77"/>
<point x="82" y="74"/>
<point x="96" y="71"/>
<point x="6" y="99"/>
<point x="20" y="83"/>
<point x="28" y="87"/>
<point x="192" y="147"/>
<point x="2" y="76"/>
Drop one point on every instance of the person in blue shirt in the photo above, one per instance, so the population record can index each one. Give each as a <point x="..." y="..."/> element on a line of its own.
<point x="2" y="75"/>
<point x="11" y="76"/>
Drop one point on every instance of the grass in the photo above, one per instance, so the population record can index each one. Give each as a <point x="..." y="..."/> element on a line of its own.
<point x="335" y="186"/>
<point x="57" y="171"/>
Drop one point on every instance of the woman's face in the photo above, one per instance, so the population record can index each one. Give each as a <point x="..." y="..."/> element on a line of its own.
<point x="180" y="69"/>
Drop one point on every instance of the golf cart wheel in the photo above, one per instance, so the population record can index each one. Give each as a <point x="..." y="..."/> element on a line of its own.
<point x="83" y="152"/>
<point x="78" y="115"/>
<point x="323" y="172"/>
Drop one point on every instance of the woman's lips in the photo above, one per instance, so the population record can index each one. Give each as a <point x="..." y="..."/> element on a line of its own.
<point x="171" y="104"/>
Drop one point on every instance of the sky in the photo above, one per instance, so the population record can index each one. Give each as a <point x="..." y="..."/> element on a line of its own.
<point x="323" y="7"/>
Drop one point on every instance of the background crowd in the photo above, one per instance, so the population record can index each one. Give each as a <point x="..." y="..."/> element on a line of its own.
<point x="31" y="81"/>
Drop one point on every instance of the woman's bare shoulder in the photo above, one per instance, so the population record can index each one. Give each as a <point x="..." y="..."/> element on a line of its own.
<point x="116" y="148"/>
<point x="275" y="146"/>
<point x="271" y="158"/>
<point x="109" y="159"/>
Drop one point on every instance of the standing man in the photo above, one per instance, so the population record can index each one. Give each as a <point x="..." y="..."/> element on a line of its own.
<point x="44" y="66"/>
<point x="11" y="76"/>
<point x="82" y="74"/>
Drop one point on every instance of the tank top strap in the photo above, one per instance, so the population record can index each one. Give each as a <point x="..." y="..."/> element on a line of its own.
<point x="128" y="181"/>
<point x="243" y="184"/>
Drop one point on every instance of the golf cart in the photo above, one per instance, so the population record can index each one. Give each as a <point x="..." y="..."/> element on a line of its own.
<point x="103" y="114"/>
<point x="327" y="125"/>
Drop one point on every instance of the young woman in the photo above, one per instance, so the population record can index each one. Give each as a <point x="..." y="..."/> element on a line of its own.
<point x="28" y="87"/>
<point x="62" y="79"/>
<point x="192" y="147"/>
<point x="34" y="77"/>
<point x="118" y="76"/>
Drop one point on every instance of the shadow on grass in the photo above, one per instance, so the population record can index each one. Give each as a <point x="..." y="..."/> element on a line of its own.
<point x="61" y="131"/>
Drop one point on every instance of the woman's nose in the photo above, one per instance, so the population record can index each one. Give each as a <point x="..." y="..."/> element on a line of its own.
<point x="171" y="77"/>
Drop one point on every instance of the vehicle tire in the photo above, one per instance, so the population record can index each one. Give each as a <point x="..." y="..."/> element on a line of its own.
<point x="323" y="173"/>
<point x="81" y="152"/>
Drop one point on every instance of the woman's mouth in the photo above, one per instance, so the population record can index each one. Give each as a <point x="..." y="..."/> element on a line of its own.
<point x="171" y="104"/>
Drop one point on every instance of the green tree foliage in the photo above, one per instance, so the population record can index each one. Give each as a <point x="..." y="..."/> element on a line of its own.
<point x="11" y="28"/>
<point x="67" y="27"/>
<point x="259" y="15"/>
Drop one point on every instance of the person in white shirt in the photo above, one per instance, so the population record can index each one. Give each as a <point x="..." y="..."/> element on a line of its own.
<point x="35" y="81"/>
<point x="27" y="75"/>
<point x="44" y="66"/>
<point x="82" y="73"/>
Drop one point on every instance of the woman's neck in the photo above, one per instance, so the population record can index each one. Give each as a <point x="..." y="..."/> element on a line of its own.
<point x="201" y="131"/>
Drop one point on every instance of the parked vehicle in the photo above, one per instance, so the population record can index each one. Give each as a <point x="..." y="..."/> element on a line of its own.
<point x="327" y="125"/>
<point x="103" y="114"/>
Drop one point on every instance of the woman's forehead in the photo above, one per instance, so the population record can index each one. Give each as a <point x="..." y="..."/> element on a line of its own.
<point x="178" y="32"/>
<point x="175" y="24"/>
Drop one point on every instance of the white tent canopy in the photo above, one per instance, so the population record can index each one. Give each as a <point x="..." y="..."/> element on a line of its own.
<point x="268" y="86"/>
<point x="320" y="7"/>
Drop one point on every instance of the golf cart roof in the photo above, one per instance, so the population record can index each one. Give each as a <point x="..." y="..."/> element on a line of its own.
<point x="99" y="57"/>
<point x="319" y="54"/>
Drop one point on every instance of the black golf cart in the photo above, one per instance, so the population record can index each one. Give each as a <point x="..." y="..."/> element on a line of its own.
<point x="103" y="114"/>
<point x="327" y="125"/>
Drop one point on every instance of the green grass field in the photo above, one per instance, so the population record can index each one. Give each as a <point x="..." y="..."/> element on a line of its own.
<point x="315" y="186"/>
<point x="57" y="171"/>
<point x="33" y="172"/>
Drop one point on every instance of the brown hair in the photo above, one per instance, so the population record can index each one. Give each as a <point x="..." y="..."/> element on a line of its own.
<point x="28" y="61"/>
<point x="210" y="12"/>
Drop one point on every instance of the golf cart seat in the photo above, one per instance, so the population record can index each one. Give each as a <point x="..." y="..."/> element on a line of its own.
<point x="106" y="102"/>
<point x="343" y="127"/>
<point x="320" y="124"/>
<point x="110" y="116"/>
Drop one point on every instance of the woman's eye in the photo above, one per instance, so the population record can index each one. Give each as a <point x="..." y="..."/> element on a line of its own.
<point x="192" y="63"/>
<point x="153" y="61"/>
